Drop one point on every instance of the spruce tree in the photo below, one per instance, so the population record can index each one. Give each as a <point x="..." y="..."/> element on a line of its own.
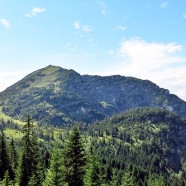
<point x="56" y="173"/>
<point x="74" y="159"/>
<point x="156" y="180"/>
<point x="37" y="177"/>
<point x="30" y="167"/>
<point x="13" y="158"/>
<point x="128" y="179"/>
<point x="4" y="157"/>
<point x="114" y="181"/>
<point x="92" y="175"/>
<point x="7" y="181"/>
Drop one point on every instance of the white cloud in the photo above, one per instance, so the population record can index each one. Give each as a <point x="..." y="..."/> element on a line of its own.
<point x="77" y="25"/>
<point x="35" y="11"/>
<point x="122" y="28"/>
<point x="38" y="10"/>
<point x="5" y="22"/>
<point x="164" y="4"/>
<point x="172" y="78"/>
<point x="71" y="47"/>
<point x="104" y="9"/>
<point x="111" y="52"/>
<point x="87" y="28"/>
<point x="159" y="62"/>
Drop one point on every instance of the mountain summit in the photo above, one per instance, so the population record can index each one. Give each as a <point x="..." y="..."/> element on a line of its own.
<point x="58" y="96"/>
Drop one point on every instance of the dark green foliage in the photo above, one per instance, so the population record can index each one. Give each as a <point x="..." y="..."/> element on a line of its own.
<point x="128" y="179"/>
<point x="30" y="168"/>
<point x="8" y="124"/>
<point x="5" y="165"/>
<point x="93" y="170"/>
<point x="46" y="158"/>
<point x="115" y="180"/>
<point x="37" y="170"/>
<point x="145" y="140"/>
<point x="142" y="147"/>
<point x="7" y="181"/>
<point x="74" y="159"/>
<point x="13" y="158"/>
<point x="55" y="175"/>
<point x="156" y="180"/>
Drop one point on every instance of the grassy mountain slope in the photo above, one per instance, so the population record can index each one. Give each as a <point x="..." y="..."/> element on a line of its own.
<point x="53" y="95"/>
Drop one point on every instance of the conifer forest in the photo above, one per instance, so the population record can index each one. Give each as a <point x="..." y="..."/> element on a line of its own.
<point x="100" y="154"/>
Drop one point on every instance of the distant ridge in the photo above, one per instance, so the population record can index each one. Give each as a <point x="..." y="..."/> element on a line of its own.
<point x="53" y="95"/>
<point x="148" y="128"/>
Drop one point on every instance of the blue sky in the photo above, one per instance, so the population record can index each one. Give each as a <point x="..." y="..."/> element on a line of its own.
<point x="145" y="39"/>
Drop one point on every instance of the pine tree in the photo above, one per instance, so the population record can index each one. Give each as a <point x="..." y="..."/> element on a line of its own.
<point x="92" y="175"/>
<point x="38" y="172"/>
<point x="7" y="181"/>
<point x="4" y="157"/>
<point x="109" y="173"/>
<point x="56" y="172"/>
<point x="13" y="158"/>
<point x="128" y="180"/>
<point x="30" y="167"/>
<point x="74" y="159"/>
<point x="114" y="181"/>
<point x="46" y="159"/>
<point x="156" y="180"/>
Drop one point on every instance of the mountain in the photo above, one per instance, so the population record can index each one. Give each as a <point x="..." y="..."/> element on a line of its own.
<point x="54" y="95"/>
<point x="150" y="139"/>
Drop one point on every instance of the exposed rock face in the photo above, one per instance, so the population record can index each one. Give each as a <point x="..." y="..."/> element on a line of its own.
<point x="54" y="95"/>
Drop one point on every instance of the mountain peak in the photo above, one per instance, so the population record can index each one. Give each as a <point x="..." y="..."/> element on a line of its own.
<point x="50" y="69"/>
<point x="59" y="96"/>
<point x="53" y="66"/>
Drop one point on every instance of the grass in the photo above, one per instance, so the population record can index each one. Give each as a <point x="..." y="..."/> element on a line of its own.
<point x="12" y="133"/>
<point x="6" y="118"/>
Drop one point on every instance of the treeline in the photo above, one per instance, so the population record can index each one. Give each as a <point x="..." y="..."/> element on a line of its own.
<point x="8" y="124"/>
<point x="79" y="161"/>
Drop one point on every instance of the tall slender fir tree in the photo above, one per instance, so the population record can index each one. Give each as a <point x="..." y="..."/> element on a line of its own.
<point x="56" y="173"/>
<point x="30" y="167"/>
<point x="13" y="158"/>
<point x="74" y="159"/>
<point x="4" y="158"/>
<point x="93" y="174"/>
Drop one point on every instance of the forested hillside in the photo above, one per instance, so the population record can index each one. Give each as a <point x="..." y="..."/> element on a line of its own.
<point x="139" y="147"/>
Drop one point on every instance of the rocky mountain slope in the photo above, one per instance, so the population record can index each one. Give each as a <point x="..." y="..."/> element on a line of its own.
<point x="54" y="95"/>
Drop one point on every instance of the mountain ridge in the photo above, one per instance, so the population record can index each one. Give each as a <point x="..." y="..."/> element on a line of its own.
<point x="58" y="96"/>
